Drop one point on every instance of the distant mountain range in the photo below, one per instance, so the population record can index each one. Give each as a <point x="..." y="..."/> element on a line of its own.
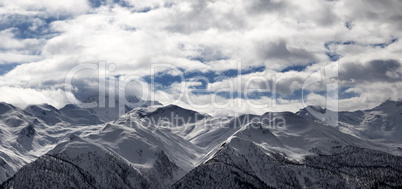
<point x="156" y="146"/>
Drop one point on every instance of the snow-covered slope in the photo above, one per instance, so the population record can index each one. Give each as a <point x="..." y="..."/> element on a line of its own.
<point x="70" y="113"/>
<point x="78" y="164"/>
<point x="302" y="155"/>
<point x="27" y="134"/>
<point x="108" y="109"/>
<point x="383" y="122"/>
<point x="163" y="146"/>
<point x="158" y="156"/>
<point x="243" y="164"/>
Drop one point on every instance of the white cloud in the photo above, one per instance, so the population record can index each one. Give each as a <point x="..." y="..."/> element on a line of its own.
<point x="24" y="96"/>
<point x="17" y="50"/>
<point x="58" y="8"/>
<point x="204" y="35"/>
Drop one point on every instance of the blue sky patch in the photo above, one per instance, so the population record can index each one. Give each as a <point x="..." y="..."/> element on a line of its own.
<point x="333" y="56"/>
<point x="5" y="68"/>
<point x="386" y="44"/>
<point x="349" y="25"/>
<point x="345" y="95"/>
<point x="163" y="79"/>
<point x="23" y="26"/>
<point x="294" y="68"/>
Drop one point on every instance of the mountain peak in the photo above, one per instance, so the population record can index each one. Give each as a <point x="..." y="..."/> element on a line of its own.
<point x="40" y="109"/>
<point x="4" y="107"/>
<point x="389" y="102"/>
<point x="152" y="110"/>
<point x="174" y="114"/>
<point x="314" y="108"/>
<point x="106" y="99"/>
<point x="389" y="107"/>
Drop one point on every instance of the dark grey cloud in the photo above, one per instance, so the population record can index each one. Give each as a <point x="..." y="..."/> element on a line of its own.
<point x="373" y="71"/>
<point x="281" y="51"/>
<point x="381" y="12"/>
<point x="264" y="6"/>
<point x="209" y="53"/>
<point x="286" y="87"/>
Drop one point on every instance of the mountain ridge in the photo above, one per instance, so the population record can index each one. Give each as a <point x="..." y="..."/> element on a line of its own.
<point x="160" y="156"/>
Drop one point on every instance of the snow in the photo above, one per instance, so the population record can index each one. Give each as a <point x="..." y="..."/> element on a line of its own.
<point x="381" y="124"/>
<point x="166" y="144"/>
<point x="30" y="133"/>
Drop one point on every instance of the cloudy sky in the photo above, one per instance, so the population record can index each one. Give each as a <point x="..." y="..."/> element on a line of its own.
<point x="203" y="54"/>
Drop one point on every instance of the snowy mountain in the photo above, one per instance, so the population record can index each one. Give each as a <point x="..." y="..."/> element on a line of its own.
<point x="304" y="155"/>
<point x="27" y="134"/>
<point x="169" y="146"/>
<point x="382" y="123"/>
<point x="109" y="109"/>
